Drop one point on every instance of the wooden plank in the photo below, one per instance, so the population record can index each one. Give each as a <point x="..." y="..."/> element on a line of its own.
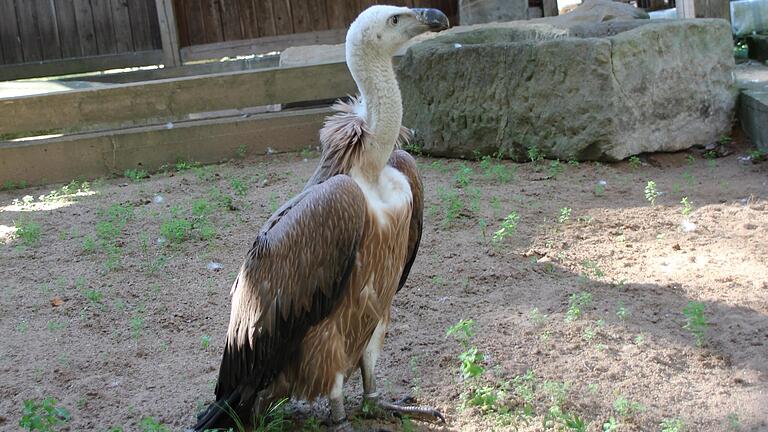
<point x="79" y="65"/>
<point x="336" y="13"/>
<point x="10" y="40"/>
<point x="168" y="33"/>
<point x="140" y="30"/>
<point x="48" y="28"/>
<point x="154" y="26"/>
<point x="302" y="22"/>
<point x="207" y="141"/>
<point x="713" y="9"/>
<point x="181" y="10"/>
<point x="121" y="21"/>
<point x="281" y="10"/>
<point x="261" y="45"/>
<point x="249" y="27"/>
<point x="686" y="9"/>
<point x="85" y="29"/>
<point x="163" y="98"/>
<point x="196" y="28"/>
<point x="230" y="20"/>
<point x="30" y="37"/>
<point x="265" y="17"/>
<point x="212" y="21"/>
<point x="104" y="29"/>
<point x="549" y="8"/>
<point x="69" y="37"/>
<point x="317" y="14"/>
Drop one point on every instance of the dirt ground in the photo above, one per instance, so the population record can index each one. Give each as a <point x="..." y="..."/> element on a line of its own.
<point x="109" y="315"/>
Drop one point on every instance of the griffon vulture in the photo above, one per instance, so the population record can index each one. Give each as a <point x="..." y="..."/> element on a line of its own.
<point x="312" y="300"/>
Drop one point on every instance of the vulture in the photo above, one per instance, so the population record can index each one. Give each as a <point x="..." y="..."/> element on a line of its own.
<point x="312" y="300"/>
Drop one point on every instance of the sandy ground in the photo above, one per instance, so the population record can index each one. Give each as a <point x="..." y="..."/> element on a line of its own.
<point x="117" y="324"/>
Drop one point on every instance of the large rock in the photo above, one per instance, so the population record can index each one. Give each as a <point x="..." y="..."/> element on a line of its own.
<point x="485" y="11"/>
<point x="581" y="89"/>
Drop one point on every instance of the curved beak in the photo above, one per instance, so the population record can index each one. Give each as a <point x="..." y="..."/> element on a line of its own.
<point x="432" y="18"/>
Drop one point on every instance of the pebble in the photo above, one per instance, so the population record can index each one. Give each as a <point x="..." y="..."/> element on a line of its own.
<point x="688" y="226"/>
<point x="158" y="199"/>
<point x="214" y="266"/>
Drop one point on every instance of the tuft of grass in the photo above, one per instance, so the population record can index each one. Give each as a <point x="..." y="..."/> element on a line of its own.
<point x="149" y="424"/>
<point x="578" y="301"/>
<point x="555" y="168"/>
<point x="239" y="186"/>
<point x="565" y="215"/>
<point x="136" y="175"/>
<point x="672" y="425"/>
<point x="463" y="176"/>
<point x="205" y="342"/>
<point x="176" y="230"/>
<point x="28" y="231"/>
<point x="634" y="162"/>
<point x="695" y="321"/>
<point x="651" y="193"/>
<point x="687" y="206"/>
<point x="44" y="416"/>
<point x="508" y="227"/>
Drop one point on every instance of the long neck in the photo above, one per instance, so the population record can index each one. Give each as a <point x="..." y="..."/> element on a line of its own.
<point x="375" y="78"/>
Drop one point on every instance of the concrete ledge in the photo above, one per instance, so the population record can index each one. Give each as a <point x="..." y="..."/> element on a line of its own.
<point x="95" y="155"/>
<point x="753" y="113"/>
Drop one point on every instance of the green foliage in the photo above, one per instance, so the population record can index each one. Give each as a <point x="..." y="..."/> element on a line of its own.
<point x="494" y="169"/>
<point x="241" y="151"/>
<point x="137" y="325"/>
<point x="451" y="203"/>
<point x="578" y="301"/>
<point x="463" y="176"/>
<point x="626" y="408"/>
<point x="622" y="312"/>
<point x="672" y="425"/>
<point x="28" y="231"/>
<point x="534" y="154"/>
<point x="43" y="416"/>
<point x="651" y="193"/>
<point x="183" y="165"/>
<point x="508" y="227"/>
<point x="239" y="187"/>
<point x="471" y="357"/>
<point x="149" y="424"/>
<point x="176" y="230"/>
<point x="555" y="168"/>
<point x="205" y="342"/>
<point x="599" y="189"/>
<point x="687" y="206"/>
<point x="136" y="175"/>
<point x="634" y="162"/>
<point x="695" y="321"/>
<point x="565" y="215"/>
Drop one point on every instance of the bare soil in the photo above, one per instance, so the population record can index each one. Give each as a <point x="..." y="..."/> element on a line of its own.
<point x="134" y="327"/>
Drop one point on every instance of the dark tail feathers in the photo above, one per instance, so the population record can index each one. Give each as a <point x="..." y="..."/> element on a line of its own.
<point x="218" y="415"/>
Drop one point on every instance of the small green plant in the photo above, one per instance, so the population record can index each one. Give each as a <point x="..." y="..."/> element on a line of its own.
<point x="136" y="175"/>
<point x="626" y="408"/>
<point x="241" y="151"/>
<point x="44" y="416"/>
<point x="599" y="189"/>
<point x="451" y="203"/>
<point x="651" y="193"/>
<point x="508" y="227"/>
<point x="463" y="176"/>
<point x="239" y="186"/>
<point x="176" y="230"/>
<point x="687" y="206"/>
<point x="537" y="317"/>
<point x="28" y="231"/>
<point x="634" y="162"/>
<point x="137" y="324"/>
<point x="695" y="321"/>
<point x="622" y="312"/>
<point x="734" y="424"/>
<point x="578" y="301"/>
<point x="534" y="154"/>
<point x="471" y="357"/>
<point x="555" y="168"/>
<point x="183" y="165"/>
<point x="149" y="424"/>
<point x="94" y="295"/>
<point x="672" y="425"/>
<point x="205" y="342"/>
<point x="565" y="215"/>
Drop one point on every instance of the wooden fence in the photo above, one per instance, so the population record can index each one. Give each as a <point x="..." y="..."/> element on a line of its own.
<point x="52" y="36"/>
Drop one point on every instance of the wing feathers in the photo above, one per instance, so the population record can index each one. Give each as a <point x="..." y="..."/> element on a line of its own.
<point x="293" y="277"/>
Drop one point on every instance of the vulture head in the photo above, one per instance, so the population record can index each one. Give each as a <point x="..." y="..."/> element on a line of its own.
<point x="384" y="29"/>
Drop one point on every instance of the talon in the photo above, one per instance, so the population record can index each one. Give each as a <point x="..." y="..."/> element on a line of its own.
<point x="420" y="413"/>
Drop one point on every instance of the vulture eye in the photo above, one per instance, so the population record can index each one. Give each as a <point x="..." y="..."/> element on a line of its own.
<point x="394" y="20"/>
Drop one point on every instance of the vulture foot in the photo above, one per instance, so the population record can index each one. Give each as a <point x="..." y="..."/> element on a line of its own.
<point x="375" y="407"/>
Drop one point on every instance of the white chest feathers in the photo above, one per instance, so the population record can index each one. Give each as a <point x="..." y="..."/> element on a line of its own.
<point x="387" y="198"/>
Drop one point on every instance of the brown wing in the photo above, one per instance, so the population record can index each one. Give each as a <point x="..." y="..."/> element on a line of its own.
<point x="292" y="278"/>
<point x="404" y="162"/>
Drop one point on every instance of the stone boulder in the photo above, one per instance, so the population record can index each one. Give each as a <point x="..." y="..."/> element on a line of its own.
<point x="485" y="11"/>
<point x="597" y="89"/>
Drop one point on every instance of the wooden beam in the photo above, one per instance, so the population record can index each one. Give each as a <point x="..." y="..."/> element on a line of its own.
<point x="79" y="65"/>
<point x="260" y="45"/>
<point x="206" y="141"/>
<point x="686" y="9"/>
<point x="169" y="34"/>
<point x="713" y="9"/>
<point x="174" y="98"/>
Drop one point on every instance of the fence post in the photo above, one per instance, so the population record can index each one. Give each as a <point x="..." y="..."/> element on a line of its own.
<point x="168" y="33"/>
<point x="685" y="9"/>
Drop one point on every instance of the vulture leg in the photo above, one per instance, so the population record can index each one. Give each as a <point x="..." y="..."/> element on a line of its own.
<point x="338" y="414"/>
<point x="372" y="401"/>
